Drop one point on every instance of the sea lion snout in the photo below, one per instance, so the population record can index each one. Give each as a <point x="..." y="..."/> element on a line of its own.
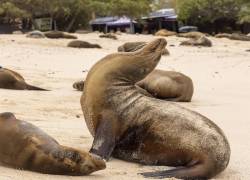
<point x="93" y="163"/>
<point x="155" y="46"/>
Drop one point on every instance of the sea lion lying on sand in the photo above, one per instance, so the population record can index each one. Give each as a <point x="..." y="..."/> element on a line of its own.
<point x="36" y="34"/>
<point x="201" y="41"/>
<point x="164" y="32"/>
<point x="24" y="146"/>
<point x="191" y="35"/>
<point x="234" y="36"/>
<point x="134" y="46"/>
<point x="165" y="85"/>
<point x="168" y="85"/>
<point x="137" y="128"/>
<point x="82" y="44"/>
<point x="12" y="80"/>
<point x="108" y="35"/>
<point x="59" y="34"/>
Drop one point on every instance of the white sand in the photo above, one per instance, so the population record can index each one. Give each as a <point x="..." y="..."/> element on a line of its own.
<point x="221" y="76"/>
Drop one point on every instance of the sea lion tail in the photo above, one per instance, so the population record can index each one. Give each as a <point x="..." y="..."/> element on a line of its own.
<point x="30" y="87"/>
<point x="193" y="172"/>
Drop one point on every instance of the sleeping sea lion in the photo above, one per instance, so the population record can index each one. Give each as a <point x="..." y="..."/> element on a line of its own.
<point x="165" y="32"/>
<point x="59" y="34"/>
<point x="82" y="44"/>
<point x="191" y="35"/>
<point x="201" y="41"/>
<point x="168" y="85"/>
<point x="134" y="46"/>
<point x="12" y="80"/>
<point x="108" y="35"/>
<point x="137" y="128"/>
<point x="24" y="146"/>
<point x="234" y="36"/>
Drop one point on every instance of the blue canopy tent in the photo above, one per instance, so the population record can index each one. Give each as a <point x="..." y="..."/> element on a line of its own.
<point x="99" y="24"/>
<point x="162" y="19"/>
<point x="122" y="23"/>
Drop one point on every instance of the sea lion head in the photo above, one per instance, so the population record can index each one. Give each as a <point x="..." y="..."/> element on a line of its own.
<point x="134" y="66"/>
<point x="91" y="163"/>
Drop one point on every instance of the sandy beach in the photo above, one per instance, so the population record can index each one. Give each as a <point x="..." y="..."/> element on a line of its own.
<point x="221" y="77"/>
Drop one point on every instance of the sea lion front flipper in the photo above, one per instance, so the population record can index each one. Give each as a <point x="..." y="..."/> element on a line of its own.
<point x="104" y="140"/>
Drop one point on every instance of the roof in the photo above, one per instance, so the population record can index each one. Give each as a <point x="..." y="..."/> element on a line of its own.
<point x="162" y="13"/>
<point x="104" y="20"/>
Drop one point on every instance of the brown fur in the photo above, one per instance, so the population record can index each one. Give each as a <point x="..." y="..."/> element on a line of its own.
<point x="12" y="80"/>
<point x="25" y="146"/>
<point x="168" y="85"/>
<point x="82" y="44"/>
<point x="201" y="41"/>
<point x="59" y="34"/>
<point x="164" y="32"/>
<point x="142" y="129"/>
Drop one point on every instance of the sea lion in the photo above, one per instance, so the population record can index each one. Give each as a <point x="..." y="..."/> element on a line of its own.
<point x="201" y="41"/>
<point x="82" y="44"/>
<point x="12" y="80"/>
<point x="191" y="35"/>
<point x="165" y="85"/>
<point x="24" y="146"/>
<point x="134" y="127"/>
<point x="234" y="36"/>
<point x="168" y="85"/>
<point x="36" y="34"/>
<point x="134" y="46"/>
<point x="165" y="32"/>
<point x="59" y="34"/>
<point x="109" y="35"/>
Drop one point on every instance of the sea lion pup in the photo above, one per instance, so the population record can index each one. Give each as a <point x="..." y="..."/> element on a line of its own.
<point x="134" y="46"/>
<point x="191" y="35"/>
<point x="82" y="44"/>
<point x="59" y="34"/>
<point x="137" y="128"/>
<point x="12" y="80"/>
<point x="165" y="32"/>
<point x="168" y="85"/>
<point x="108" y="35"/>
<point x="201" y="41"/>
<point x="24" y="146"/>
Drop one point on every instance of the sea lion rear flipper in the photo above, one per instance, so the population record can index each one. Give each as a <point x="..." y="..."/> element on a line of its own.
<point x="30" y="87"/>
<point x="193" y="172"/>
<point x="104" y="140"/>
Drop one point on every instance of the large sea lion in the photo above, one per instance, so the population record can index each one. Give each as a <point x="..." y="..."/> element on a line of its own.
<point x="134" y="46"/>
<point x="24" y="146"/>
<point x="134" y="127"/>
<point x="82" y="44"/>
<point x="201" y="41"/>
<point x="59" y="34"/>
<point x="165" y="32"/>
<point x="12" y="80"/>
<point x="165" y="85"/>
<point x="168" y="85"/>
